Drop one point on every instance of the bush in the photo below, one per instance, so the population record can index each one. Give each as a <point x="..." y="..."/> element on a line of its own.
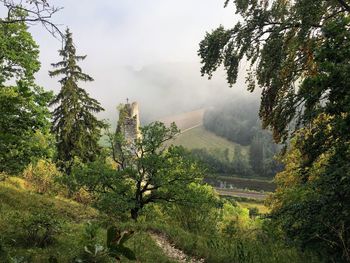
<point x="201" y="215"/>
<point x="115" y="240"/>
<point x="92" y="251"/>
<point x="34" y="228"/>
<point x="39" y="229"/>
<point x="253" y="212"/>
<point x="82" y="196"/>
<point x="3" y="176"/>
<point x="42" y="177"/>
<point x="3" y="252"/>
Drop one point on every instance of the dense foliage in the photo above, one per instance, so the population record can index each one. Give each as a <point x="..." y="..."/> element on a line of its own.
<point x="238" y="121"/>
<point x="218" y="161"/>
<point x="280" y="39"/>
<point x="235" y="120"/>
<point x="318" y="173"/>
<point x="24" y="116"/>
<point x="216" y="231"/>
<point x="299" y="54"/>
<point x="147" y="172"/>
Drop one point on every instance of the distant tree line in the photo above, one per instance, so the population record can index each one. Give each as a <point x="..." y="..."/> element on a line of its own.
<point x="238" y="122"/>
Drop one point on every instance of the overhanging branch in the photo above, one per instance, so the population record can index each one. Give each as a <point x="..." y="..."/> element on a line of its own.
<point x="32" y="12"/>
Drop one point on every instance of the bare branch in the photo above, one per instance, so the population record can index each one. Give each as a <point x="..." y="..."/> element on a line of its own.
<point x="32" y="12"/>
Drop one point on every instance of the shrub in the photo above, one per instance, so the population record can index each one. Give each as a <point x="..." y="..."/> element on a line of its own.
<point x="3" y="252"/>
<point x="201" y="214"/>
<point x="82" y="196"/>
<point x="3" y="176"/>
<point x="253" y="212"/>
<point x="42" y="177"/>
<point x="39" y="229"/>
<point x="35" y="229"/>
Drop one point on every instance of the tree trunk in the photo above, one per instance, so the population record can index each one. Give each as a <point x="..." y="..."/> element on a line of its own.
<point x="134" y="213"/>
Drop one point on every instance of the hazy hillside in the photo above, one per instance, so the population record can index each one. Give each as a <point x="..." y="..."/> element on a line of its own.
<point x="199" y="138"/>
<point x="195" y="136"/>
<point x="185" y="120"/>
<point x="164" y="89"/>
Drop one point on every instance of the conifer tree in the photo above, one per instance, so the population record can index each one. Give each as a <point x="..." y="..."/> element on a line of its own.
<point x="76" y="128"/>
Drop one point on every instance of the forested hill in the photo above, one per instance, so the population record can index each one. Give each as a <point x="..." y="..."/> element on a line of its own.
<point x="236" y="119"/>
<point x="228" y="138"/>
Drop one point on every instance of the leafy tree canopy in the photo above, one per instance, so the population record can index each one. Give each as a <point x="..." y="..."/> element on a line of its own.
<point x="299" y="54"/>
<point x="148" y="172"/>
<point x="280" y="40"/>
<point x="19" y="54"/>
<point x="24" y="124"/>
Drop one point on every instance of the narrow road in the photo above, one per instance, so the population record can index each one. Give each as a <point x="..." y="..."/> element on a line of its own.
<point x="241" y="193"/>
<point x="188" y="129"/>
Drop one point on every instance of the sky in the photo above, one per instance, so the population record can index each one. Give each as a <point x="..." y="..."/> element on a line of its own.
<point x="143" y="50"/>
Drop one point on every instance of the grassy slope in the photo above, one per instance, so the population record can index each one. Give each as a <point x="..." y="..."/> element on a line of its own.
<point x="15" y="198"/>
<point x="199" y="138"/>
<point x="17" y="203"/>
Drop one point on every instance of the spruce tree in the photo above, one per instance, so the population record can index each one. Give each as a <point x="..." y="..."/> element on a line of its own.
<point x="76" y="128"/>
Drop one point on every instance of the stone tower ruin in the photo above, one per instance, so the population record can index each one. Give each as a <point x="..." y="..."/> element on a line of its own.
<point x="129" y="121"/>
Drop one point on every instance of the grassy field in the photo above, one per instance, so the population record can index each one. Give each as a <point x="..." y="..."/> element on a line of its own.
<point x="195" y="136"/>
<point x="200" y="138"/>
<point x="250" y="203"/>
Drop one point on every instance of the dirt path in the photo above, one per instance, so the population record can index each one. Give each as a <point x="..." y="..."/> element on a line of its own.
<point x="191" y="128"/>
<point x="171" y="251"/>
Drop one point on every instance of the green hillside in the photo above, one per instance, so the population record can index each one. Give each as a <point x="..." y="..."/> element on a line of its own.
<point x="22" y="212"/>
<point x="199" y="138"/>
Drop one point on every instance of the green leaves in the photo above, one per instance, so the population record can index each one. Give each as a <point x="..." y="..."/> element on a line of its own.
<point x="115" y="243"/>
<point x="19" y="54"/>
<point x="24" y="117"/>
<point x="24" y="124"/>
<point x="147" y="170"/>
<point x="281" y="40"/>
<point x="299" y="54"/>
<point x="212" y="51"/>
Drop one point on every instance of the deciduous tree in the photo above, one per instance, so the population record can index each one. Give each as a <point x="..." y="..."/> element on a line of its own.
<point x="24" y="116"/>
<point x="148" y="172"/>
<point x="299" y="54"/>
